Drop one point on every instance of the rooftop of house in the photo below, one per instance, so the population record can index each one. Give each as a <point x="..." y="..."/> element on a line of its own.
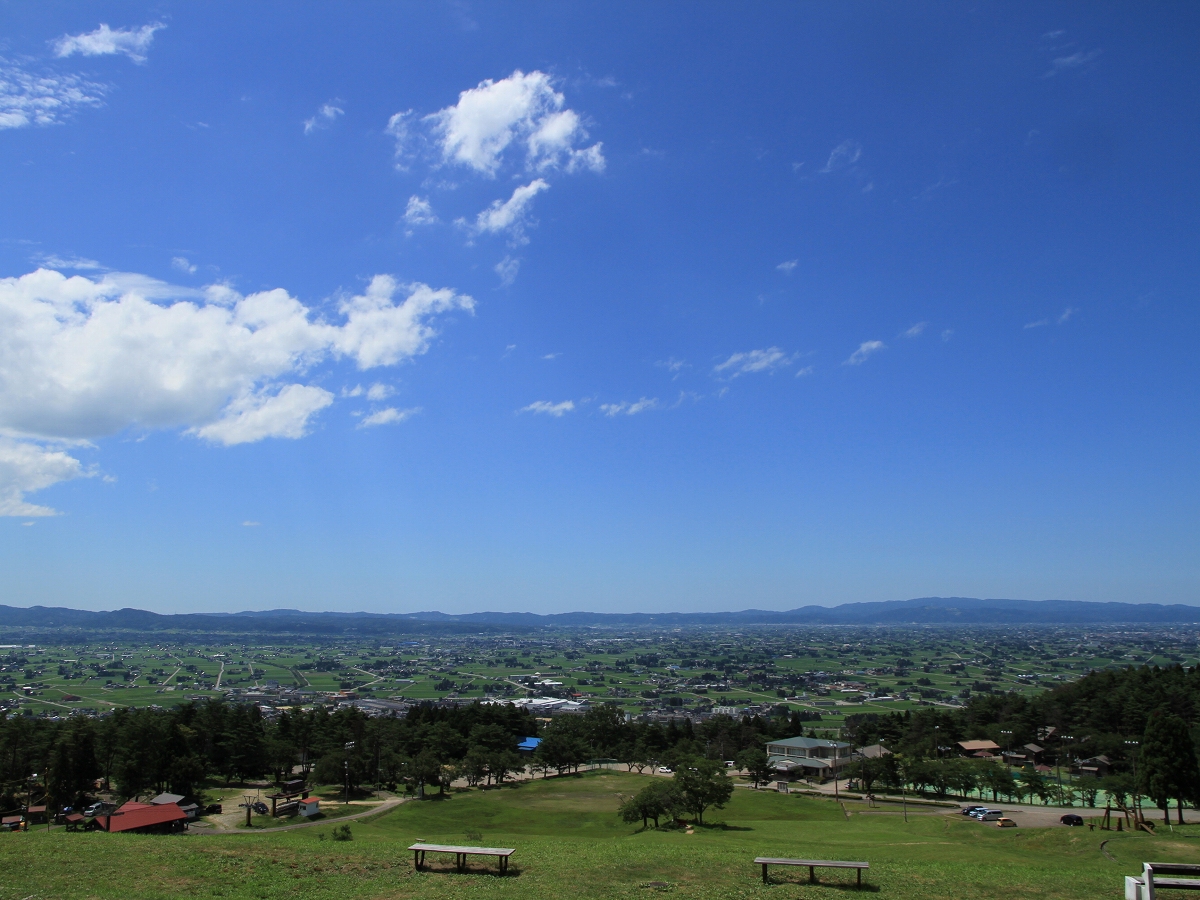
<point x="804" y="743"/>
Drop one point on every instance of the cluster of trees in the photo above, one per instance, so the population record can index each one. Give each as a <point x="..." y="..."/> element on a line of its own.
<point x="1144" y="721"/>
<point x="137" y="751"/>
<point x="697" y="785"/>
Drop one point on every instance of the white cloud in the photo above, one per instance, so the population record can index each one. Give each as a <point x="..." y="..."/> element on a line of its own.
<point x="262" y="414"/>
<point x="754" y="361"/>
<point x="671" y="364"/>
<point x="105" y="41"/>
<point x="550" y="409"/>
<point x="1066" y="314"/>
<point x="1038" y="324"/>
<point x="324" y="117"/>
<point x="1074" y="61"/>
<point x="85" y="358"/>
<point x="624" y="408"/>
<point x="507" y="269"/>
<point x="182" y="264"/>
<point x="389" y="416"/>
<point x="807" y="370"/>
<point x="379" y="391"/>
<point x="78" y="263"/>
<point x="398" y="127"/>
<point x="847" y="153"/>
<point x="250" y="524"/>
<point x="915" y="331"/>
<point x="865" y="350"/>
<point x="48" y="99"/>
<point x="510" y="215"/>
<point x="947" y="334"/>
<point x="522" y="110"/>
<point x="551" y="356"/>
<point x="26" y="467"/>
<point x="787" y="267"/>
<point x="419" y="212"/>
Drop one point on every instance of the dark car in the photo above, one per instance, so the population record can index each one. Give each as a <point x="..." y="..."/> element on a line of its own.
<point x="971" y="810"/>
<point x="1071" y="819"/>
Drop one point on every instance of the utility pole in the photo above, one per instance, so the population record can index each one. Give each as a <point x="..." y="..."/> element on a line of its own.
<point x="346" y="768"/>
<point x="1136" y="792"/>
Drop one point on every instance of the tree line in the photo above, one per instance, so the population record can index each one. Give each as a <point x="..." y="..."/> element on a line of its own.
<point x="133" y="752"/>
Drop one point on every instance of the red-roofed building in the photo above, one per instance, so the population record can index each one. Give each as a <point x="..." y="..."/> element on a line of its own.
<point x="145" y="817"/>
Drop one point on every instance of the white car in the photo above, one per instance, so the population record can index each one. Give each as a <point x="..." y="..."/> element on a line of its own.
<point x="664" y="770"/>
<point x="94" y="809"/>
<point x="992" y="815"/>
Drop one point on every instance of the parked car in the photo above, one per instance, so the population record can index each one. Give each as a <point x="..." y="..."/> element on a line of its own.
<point x="665" y="770"/>
<point x="1002" y="822"/>
<point x="1071" y="819"/>
<point x="971" y="810"/>
<point x="992" y="815"/>
<point x="94" y="810"/>
<point x="978" y="811"/>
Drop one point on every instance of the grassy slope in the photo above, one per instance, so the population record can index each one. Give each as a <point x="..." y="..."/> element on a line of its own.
<point x="569" y="844"/>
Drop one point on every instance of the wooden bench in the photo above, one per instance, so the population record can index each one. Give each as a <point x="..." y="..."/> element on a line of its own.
<point x="1152" y="879"/>
<point x="812" y="864"/>
<point x="461" y="854"/>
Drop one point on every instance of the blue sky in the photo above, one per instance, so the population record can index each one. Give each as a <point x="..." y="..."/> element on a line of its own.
<point x="597" y="306"/>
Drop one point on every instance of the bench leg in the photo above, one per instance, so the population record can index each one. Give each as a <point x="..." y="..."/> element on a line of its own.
<point x="812" y="874"/>
<point x="766" y="880"/>
<point x="859" y="871"/>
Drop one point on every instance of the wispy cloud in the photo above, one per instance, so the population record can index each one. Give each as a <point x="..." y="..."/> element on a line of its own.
<point x="672" y="365"/>
<point x="250" y="524"/>
<point x="847" y="153"/>
<point x="105" y="41"/>
<point x="1065" y="315"/>
<point x="624" y="408"/>
<point x="787" y="267"/>
<point x="46" y="99"/>
<point x="389" y="416"/>
<point x="76" y="263"/>
<point x="511" y="215"/>
<point x="865" y="350"/>
<point x="1074" y="61"/>
<point x="507" y="269"/>
<point x="807" y="370"/>
<point x="551" y="355"/>
<point x="751" y="361"/>
<point x="418" y="212"/>
<point x="380" y="391"/>
<point x="1038" y="324"/>
<point x="947" y="333"/>
<point x="325" y="117"/>
<point x="915" y="331"/>
<point x="183" y="264"/>
<point x="545" y="407"/>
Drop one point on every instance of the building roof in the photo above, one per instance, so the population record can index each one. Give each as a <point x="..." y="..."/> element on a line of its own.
<point x="806" y="743"/>
<point x="875" y="751"/>
<point x="166" y="798"/>
<point x="1034" y="748"/>
<point x="142" y="815"/>
<point x="529" y="743"/>
<point x="972" y="746"/>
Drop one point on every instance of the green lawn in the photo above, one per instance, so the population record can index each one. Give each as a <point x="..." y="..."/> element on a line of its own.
<point x="571" y="845"/>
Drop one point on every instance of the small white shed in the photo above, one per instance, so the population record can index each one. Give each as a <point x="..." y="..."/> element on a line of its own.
<point x="309" y="806"/>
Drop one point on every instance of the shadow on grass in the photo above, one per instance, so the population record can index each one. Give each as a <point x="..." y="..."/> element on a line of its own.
<point x="451" y="869"/>
<point x="831" y="885"/>
<point x="723" y="826"/>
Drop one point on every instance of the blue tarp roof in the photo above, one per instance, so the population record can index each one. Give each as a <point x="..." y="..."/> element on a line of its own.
<point x="529" y="743"/>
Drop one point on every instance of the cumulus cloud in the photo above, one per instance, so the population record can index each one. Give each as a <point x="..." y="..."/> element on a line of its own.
<point x="47" y="99"/>
<point x="847" y="153"/>
<point x="183" y="265"/>
<point x="105" y="41"/>
<point x="325" y="117"/>
<point x="511" y="215"/>
<point x="787" y="267"/>
<point x="89" y="357"/>
<point x="389" y="416"/>
<point x="547" y="408"/>
<point x="753" y="361"/>
<point x="915" y="331"/>
<point x="379" y="391"/>
<point x="865" y="350"/>
<point x="419" y="212"/>
<point x="624" y="408"/>
<point x="27" y="467"/>
<point x="522" y="111"/>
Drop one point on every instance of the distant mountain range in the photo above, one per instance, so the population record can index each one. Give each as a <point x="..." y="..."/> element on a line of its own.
<point x="924" y="611"/>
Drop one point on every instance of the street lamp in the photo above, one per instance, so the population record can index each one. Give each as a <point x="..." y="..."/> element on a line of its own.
<point x="346" y="768"/>
<point x="1062" y="739"/>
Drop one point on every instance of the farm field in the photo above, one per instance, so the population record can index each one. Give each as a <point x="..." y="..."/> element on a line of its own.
<point x="569" y="842"/>
<point x="825" y="672"/>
